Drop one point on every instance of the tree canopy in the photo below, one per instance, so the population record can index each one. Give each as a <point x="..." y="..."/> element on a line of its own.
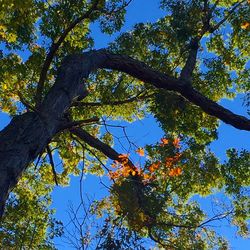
<point x="63" y="96"/>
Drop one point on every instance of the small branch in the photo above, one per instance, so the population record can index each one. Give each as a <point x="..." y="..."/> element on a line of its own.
<point x="112" y="103"/>
<point x="124" y="5"/>
<point x="25" y="103"/>
<point x="216" y="217"/>
<point x="157" y="240"/>
<point x="98" y="159"/>
<point x="38" y="160"/>
<point x="188" y="69"/>
<point x="52" y="164"/>
<point x="69" y="125"/>
<point x="214" y="28"/>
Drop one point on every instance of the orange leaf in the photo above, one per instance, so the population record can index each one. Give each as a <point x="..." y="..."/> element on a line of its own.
<point x="175" y="172"/>
<point x="124" y="161"/>
<point x="133" y="173"/>
<point x="113" y="175"/>
<point x="122" y="156"/>
<point x="169" y="164"/>
<point x="176" y="143"/>
<point x="164" y="142"/>
<point x="245" y="25"/>
<point x="154" y="166"/>
<point x="178" y="171"/>
<point x="113" y="165"/>
<point x="140" y="151"/>
<point x="146" y="176"/>
<point x="151" y="169"/>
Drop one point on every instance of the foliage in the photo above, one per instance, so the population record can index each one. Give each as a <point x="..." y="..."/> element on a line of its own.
<point x="28" y="221"/>
<point x="153" y="200"/>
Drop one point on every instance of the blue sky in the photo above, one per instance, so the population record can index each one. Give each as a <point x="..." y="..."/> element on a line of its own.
<point x="146" y="131"/>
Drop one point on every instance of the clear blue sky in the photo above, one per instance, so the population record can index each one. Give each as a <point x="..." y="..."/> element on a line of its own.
<point x="146" y="132"/>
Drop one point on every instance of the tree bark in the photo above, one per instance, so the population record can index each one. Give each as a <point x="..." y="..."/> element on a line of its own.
<point x="27" y="135"/>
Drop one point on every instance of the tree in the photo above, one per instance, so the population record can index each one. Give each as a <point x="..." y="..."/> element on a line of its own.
<point x="60" y="91"/>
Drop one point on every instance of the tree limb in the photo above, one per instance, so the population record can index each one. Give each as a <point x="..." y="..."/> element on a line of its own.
<point x="93" y="60"/>
<point x="188" y="69"/>
<point x="53" y="49"/>
<point x="99" y="145"/>
<point x="76" y="68"/>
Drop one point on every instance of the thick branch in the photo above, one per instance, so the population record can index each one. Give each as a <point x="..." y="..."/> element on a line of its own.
<point x="97" y="144"/>
<point x="77" y="67"/>
<point x="188" y="69"/>
<point x="160" y="80"/>
<point x="53" y="49"/>
<point x="139" y="70"/>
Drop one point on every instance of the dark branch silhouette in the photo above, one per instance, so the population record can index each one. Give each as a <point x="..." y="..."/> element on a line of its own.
<point x="36" y="129"/>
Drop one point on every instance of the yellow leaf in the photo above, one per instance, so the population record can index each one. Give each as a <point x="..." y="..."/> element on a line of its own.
<point x="164" y="141"/>
<point x="5" y="86"/>
<point x="133" y="173"/>
<point x="176" y="143"/>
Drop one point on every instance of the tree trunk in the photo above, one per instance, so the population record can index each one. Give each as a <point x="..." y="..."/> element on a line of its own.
<point x="20" y="142"/>
<point x="27" y="135"/>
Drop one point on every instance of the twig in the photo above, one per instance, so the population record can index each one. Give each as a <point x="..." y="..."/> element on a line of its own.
<point x="212" y="29"/>
<point x="69" y="125"/>
<point x="38" y="160"/>
<point x="52" y="164"/>
<point x="112" y="103"/>
<point x="188" y="69"/>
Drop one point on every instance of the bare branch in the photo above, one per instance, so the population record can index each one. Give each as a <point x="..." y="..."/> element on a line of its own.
<point x="236" y="6"/>
<point x="99" y="145"/>
<point x="52" y="164"/>
<point x="216" y="217"/>
<point x="68" y="125"/>
<point x="138" y="97"/>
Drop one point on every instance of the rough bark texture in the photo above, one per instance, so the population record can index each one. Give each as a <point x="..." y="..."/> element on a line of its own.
<point x="28" y="134"/>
